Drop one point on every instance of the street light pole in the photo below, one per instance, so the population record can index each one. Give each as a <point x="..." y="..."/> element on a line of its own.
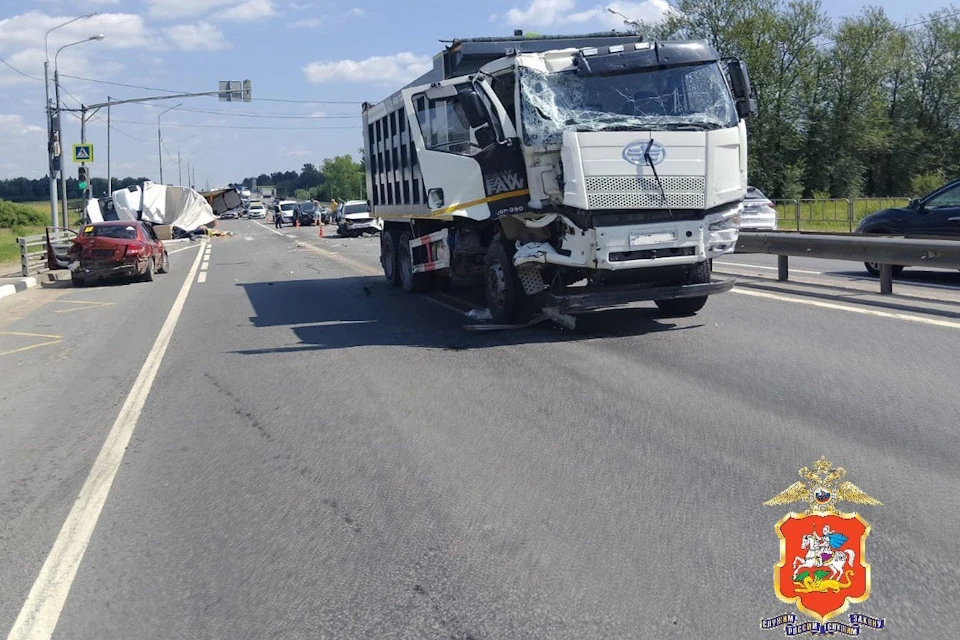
<point x="160" y="140"/>
<point x="56" y="86"/>
<point x="54" y="147"/>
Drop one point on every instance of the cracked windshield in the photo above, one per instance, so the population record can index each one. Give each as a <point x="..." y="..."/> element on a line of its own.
<point x="694" y="97"/>
<point x="501" y="320"/>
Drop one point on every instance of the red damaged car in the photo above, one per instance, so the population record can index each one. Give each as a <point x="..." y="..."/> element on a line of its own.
<point x="121" y="248"/>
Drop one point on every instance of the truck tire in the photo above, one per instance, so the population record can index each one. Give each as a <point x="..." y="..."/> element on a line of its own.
<point x="699" y="274"/>
<point x="388" y="258"/>
<point x="505" y="296"/>
<point x="873" y="268"/>
<point x="410" y="281"/>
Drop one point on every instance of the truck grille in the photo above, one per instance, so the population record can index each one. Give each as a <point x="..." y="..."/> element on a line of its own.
<point x="642" y="192"/>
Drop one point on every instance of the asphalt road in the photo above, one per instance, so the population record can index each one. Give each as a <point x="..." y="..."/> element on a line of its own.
<point x="322" y="456"/>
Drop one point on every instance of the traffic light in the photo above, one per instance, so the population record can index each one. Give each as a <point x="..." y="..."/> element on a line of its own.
<point x="82" y="177"/>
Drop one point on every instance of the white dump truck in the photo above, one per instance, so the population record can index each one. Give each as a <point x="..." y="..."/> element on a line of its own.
<point x="568" y="173"/>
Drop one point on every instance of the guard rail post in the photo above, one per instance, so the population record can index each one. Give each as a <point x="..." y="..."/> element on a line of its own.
<point x="24" y="260"/>
<point x="886" y="279"/>
<point x="850" y="215"/>
<point x="796" y="204"/>
<point x="783" y="268"/>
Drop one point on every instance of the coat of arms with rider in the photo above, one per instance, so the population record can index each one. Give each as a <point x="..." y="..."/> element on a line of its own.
<point x="822" y="568"/>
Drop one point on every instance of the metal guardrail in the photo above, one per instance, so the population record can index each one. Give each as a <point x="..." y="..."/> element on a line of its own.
<point x="833" y="213"/>
<point x="37" y="252"/>
<point x="883" y="250"/>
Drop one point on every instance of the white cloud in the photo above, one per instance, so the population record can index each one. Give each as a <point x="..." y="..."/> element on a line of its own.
<point x="399" y="67"/>
<point x="554" y="13"/>
<point x="296" y="153"/>
<point x="122" y="30"/>
<point x="197" y="37"/>
<point x="357" y="12"/>
<point x="12" y="125"/>
<point x="247" y="12"/>
<point x="320" y="21"/>
<point x="186" y="8"/>
<point x="318" y="114"/>
<point x="101" y="3"/>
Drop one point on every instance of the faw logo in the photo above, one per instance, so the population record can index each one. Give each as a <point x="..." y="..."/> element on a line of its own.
<point x="504" y="181"/>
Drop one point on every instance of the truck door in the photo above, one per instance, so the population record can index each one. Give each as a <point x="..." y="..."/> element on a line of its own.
<point x="467" y="161"/>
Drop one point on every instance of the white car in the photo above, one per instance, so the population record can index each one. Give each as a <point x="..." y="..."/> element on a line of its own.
<point x="286" y="208"/>
<point x="256" y="210"/>
<point x="353" y="219"/>
<point x="759" y="213"/>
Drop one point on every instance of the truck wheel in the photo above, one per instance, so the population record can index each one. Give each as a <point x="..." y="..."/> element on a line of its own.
<point x="410" y="281"/>
<point x="505" y="296"/>
<point x="873" y="268"/>
<point x="388" y="258"/>
<point x="700" y="274"/>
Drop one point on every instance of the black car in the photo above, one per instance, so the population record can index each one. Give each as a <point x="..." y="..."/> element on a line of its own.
<point x="306" y="213"/>
<point x="935" y="214"/>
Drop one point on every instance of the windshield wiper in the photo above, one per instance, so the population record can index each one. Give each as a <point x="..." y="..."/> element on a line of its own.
<point x="691" y="126"/>
<point x="653" y="167"/>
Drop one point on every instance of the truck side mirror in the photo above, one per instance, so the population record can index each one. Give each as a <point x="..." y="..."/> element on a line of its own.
<point x="473" y="107"/>
<point x="742" y="92"/>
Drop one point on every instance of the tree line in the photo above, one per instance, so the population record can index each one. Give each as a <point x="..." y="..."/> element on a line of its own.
<point x="339" y="177"/>
<point x="863" y="106"/>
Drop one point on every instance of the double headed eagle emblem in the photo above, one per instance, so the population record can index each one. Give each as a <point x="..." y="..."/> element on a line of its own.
<point x="822" y="489"/>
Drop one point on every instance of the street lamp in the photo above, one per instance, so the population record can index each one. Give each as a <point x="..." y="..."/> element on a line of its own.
<point x="52" y="151"/>
<point x="56" y="87"/>
<point x="160" y="139"/>
<point x="179" y="166"/>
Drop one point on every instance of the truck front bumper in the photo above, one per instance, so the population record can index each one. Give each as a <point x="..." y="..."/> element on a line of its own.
<point x="626" y="295"/>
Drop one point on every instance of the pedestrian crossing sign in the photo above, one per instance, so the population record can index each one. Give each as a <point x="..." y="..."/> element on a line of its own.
<point x="83" y="152"/>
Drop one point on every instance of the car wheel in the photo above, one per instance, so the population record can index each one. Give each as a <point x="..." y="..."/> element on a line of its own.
<point x="164" y="264"/>
<point x="411" y="282"/>
<point x="873" y="268"/>
<point x="505" y="296"/>
<point x="147" y="275"/>
<point x="700" y="274"/>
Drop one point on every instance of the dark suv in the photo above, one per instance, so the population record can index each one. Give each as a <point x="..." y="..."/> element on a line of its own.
<point x="306" y="213"/>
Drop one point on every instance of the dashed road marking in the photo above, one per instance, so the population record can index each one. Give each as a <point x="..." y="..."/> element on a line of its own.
<point x="202" y="277"/>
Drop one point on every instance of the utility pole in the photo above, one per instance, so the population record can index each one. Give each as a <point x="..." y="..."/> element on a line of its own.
<point x="63" y="172"/>
<point x="160" y="140"/>
<point x="109" y="174"/>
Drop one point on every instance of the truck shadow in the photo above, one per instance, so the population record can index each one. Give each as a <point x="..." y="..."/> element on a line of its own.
<point x="364" y="311"/>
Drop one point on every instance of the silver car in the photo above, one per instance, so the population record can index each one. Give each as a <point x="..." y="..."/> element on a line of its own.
<point x="759" y="213"/>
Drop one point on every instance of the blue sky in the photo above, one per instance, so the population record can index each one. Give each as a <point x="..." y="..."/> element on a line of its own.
<point x="310" y="63"/>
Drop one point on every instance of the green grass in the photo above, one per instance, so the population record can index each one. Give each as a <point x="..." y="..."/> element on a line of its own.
<point x="10" y="250"/>
<point x="830" y="215"/>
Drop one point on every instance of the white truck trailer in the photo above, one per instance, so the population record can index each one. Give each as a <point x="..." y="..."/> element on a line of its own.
<point x="569" y="173"/>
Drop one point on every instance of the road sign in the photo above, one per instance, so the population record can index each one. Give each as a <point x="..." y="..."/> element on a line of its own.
<point x="83" y="152"/>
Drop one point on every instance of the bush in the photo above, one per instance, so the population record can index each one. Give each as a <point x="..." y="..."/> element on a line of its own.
<point x="17" y="215"/>
<point x="926" y="182"/>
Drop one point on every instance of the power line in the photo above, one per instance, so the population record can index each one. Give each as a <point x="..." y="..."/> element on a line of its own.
<point x="276" y="116"/>
<point x="137" y="86"/>
<point x="902" y="28"/>
<point x="25" y="75"/>
<point x="213" y="126"/>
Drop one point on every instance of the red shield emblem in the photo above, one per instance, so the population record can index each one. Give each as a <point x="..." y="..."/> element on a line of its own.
<point x="822" y="568"/>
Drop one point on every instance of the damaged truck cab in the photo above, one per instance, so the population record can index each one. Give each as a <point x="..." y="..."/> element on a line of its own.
<point x="566" y="173"/>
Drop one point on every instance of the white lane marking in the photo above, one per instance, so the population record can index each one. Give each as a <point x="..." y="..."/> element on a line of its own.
<point x="205" y="265"/>
<point x="760" y="266"/>
<point x="279" y="233"/>
<point x="290" y="235"/>
<point x="182" y="249"/>
<point x="202" y="277"/>
<point x="40" y="613"/>
<point x="843" y="307"/>
<point x="248" y="238"/>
